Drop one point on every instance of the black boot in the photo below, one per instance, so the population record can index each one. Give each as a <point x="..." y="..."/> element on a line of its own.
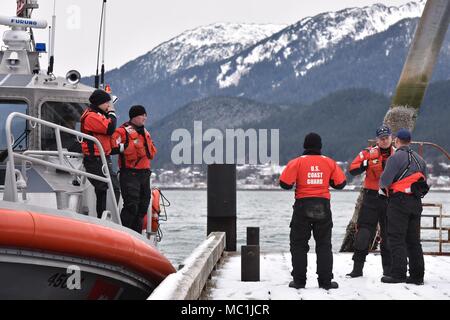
<point x="388" y="279"/>
<point x="328" y="285"/>
<point x="357" y="270"/>
<point x="386" y="270"/>
<point x="296" y="285"/>
<point x="416" y="281"/>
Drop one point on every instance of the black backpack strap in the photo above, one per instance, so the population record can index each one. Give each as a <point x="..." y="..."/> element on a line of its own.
<point x="404" y="172"/>
<point x="416" y="161"/>
<point x="411" y="157"/>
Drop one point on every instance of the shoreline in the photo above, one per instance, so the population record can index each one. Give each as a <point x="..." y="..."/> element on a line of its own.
<point x="272" y="189"/>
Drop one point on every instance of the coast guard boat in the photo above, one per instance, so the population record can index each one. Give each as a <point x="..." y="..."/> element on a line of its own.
<point x="52" y="245"/>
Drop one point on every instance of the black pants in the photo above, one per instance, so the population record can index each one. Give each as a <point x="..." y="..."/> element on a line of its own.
<point x="311" y="214"/>
<point x="93" y="165"/>
<point x="373" y="212"/>
<point x="404" y="213"/>
<point x="136" y="193"/>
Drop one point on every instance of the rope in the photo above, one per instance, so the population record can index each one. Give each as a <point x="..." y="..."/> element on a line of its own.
<point x="164" y="203"/>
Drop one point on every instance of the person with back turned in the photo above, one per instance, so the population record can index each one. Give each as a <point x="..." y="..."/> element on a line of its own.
<point x="404" y="180"/>
<point x="374" y="205"/>
<point x="137" y="151"/>
<point x="99" y="120"/>
<point x="312" y="174"/>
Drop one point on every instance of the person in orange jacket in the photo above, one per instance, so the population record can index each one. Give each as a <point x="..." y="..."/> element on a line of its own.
<point x="99" y="120"/>
<point x="372" y="161"/>
<point x="136" y="152"/>
<point x="312" y="174"/>
<point x="404" y="178"/>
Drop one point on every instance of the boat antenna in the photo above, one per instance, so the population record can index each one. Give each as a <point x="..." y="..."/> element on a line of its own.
<point x="97" y="78"/>
<point x="104" y="47"/>
<point x="51" y="61"/>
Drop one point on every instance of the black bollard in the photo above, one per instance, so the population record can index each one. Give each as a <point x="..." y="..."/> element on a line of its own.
<point x="250" y="263"/>
<point x="222" y="202"/>
<point x="250" y="256"/>
<point x="252" y="236"/>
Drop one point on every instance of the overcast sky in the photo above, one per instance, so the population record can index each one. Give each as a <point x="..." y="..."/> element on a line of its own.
<point x="137" y="26"/>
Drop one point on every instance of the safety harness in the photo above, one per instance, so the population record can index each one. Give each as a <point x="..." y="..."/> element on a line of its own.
<point x="411" y="157"/>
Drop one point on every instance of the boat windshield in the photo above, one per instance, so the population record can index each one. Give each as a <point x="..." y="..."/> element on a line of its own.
<point x="66" y="114"/>
<point x="19" y="126"/>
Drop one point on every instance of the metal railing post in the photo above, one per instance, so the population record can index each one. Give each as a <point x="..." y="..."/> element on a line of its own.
<point x="59" y="145"/>
<point x="440" y="229"/>
<point x="10" y="193"/>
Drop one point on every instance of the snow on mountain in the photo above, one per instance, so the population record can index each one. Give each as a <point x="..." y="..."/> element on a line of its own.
<point x="192" y="48"/>
<point x="197" y="47"/>
<point x="208" y="44"/>
<point x="296" y="64"/>
<point x="306" y="39"/>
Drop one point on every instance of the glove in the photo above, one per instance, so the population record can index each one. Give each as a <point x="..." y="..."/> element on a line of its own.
<point x="111" y="108"/>
<point x="420" y="188"/>
<point x="111" y="114"/>
<point x="382" y="192"/>
<point x="364" y="165"/>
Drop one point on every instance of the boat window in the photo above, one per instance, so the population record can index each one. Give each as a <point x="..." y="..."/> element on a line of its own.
<point x="66" y="114"/>
<point x="19" y="126"/>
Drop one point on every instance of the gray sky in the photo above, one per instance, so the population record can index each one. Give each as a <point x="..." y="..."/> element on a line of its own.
<point x="137" y="26"/>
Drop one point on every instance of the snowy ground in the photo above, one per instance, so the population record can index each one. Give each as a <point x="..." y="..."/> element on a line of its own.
<point x="275" y="277"/>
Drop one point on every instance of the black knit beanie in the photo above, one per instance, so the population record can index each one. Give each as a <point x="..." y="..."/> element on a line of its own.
<point x="99" y="97"/>
<point x="136" y="111"/>
<point x="313" y="141"/>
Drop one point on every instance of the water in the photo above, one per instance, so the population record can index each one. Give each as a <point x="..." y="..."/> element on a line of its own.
<point x="269" y="210"/>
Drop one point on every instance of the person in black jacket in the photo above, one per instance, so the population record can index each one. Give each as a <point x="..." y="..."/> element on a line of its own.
<point x="404" y="180"/>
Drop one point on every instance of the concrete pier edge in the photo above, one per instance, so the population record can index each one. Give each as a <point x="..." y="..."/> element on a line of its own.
<point x="189" y="281"/>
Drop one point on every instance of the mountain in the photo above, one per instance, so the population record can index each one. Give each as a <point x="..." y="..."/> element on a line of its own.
<point x="356" y="47"/>
<point x="345" y="119"/>
<point x="215" y="113"/>
<point x="312" y="42"/>
<point x="192" y="48"/>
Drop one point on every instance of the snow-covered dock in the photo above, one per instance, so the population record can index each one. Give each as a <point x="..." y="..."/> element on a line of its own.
<point x="275" y="276"/>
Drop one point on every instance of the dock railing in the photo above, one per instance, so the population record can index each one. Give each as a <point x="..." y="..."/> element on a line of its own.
<point x="439" y="226"/>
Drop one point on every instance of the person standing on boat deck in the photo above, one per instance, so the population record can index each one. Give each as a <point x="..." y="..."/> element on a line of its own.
<point x="137" y="151"/>
<point x="404" y="178"/>
<point x="313" y="174"/>
<point x="99" y="120"/>
<point x="373" y="210"/>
